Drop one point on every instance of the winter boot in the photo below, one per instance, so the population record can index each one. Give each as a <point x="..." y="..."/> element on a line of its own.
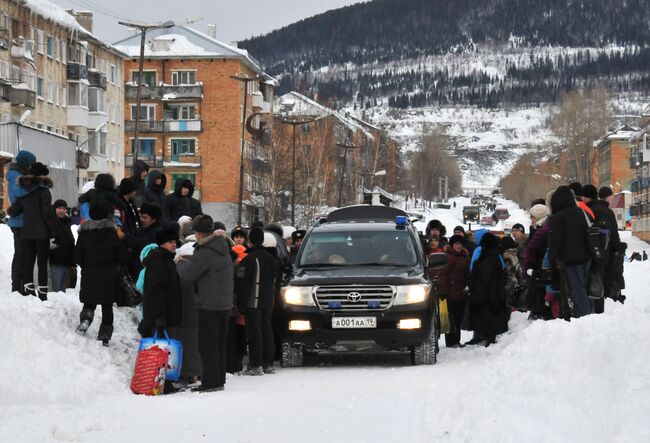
<point x="105" y="333"/>
<point x="269" y="369"/>
<point x="42" y="293"/>
<point x="29" y="289"/>
<point x="254" y="371"/>
<point x="85" y="319"/>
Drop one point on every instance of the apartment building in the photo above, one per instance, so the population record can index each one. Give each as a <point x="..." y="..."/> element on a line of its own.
<point x="640" y="184"/>
<point x="613" y="163"/>
<point x="191" y="115"/>
<point x="58" y="78"/>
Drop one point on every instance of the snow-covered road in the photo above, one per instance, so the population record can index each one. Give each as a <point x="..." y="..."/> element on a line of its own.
<point x="544" y="381"/>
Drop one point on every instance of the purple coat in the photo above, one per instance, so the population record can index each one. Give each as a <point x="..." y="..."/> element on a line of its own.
<point x="536" y="248"/>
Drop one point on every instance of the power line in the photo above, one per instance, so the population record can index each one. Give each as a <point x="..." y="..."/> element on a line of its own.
<point x="101" y="9"/>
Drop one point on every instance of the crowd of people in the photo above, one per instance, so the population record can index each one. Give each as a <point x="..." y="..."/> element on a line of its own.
<point x="216" y="291"/>
<point x="565" y="267"/>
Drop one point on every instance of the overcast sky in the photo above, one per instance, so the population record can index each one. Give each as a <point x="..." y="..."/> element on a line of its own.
<point x="235" y="19"/>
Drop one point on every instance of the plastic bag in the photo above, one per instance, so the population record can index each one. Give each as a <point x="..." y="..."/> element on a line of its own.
<point x="175" y="349"/>
<point x="445" y="324"/>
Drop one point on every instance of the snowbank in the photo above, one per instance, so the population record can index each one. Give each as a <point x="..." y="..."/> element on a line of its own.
<point x="544" y="381"/>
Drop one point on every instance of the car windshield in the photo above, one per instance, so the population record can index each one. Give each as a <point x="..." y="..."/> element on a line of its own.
<point x="369" y="248"/>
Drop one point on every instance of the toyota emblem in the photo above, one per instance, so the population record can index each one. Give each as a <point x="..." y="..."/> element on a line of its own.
<point x="354" y="297"/>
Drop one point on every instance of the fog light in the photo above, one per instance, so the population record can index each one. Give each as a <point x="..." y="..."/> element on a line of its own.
<point x="299" y="325"/>
<point x="409" y="323"/>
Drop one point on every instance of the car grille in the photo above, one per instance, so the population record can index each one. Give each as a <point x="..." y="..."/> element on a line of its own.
<point x="354" y="298"/>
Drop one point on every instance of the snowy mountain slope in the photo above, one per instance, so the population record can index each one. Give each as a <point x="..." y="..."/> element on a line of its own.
<point x="544" y="381"/>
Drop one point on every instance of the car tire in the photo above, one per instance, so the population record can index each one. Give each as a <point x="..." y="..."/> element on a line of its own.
<point x="426" y="352"/>
<point x="293" y="355"/>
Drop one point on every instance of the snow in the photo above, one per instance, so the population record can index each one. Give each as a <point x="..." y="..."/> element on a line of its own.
<point x="177" y="45"/>
<point x="543" y="381"/>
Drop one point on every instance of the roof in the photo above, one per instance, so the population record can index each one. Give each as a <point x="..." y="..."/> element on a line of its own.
<point x="624" y="132"/>
<point x="296" y="104"/>
<point x="185" y="42"/>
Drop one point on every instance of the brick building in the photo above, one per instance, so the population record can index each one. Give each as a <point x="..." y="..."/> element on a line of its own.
<point x="640" y="183"/>
<point x="56" y="77"/>
<point x="614" y="159"/>
<point x="191" y="116"/>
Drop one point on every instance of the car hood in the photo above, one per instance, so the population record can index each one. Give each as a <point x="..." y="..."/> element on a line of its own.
<point x="357" y="275"/>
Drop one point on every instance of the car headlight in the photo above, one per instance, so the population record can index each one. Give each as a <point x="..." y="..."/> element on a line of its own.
<point x="298" y="295"/>
<point x="410" y="294"/>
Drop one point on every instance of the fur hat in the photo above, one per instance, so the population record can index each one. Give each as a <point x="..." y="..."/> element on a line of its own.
<point x="508" y="242"/>
<point x="256" y="236"/>
<point x="269" y="240"/>
<point x="538" y="211"/>
<point x="576" y="187"/>
<point x="489" y="241"/>
<point x="456" y="239"/>
<point x="127" y="186"/>
<point x="168" y="233"/>
<point x="38" y="169"/>
<point x="152" y="210"/>
<point x="459" y="228"/>
<point x="605" y="192"/>
<point x="274" y="227"/>
<point x="203" y="224"/>
<point x="60" y="203"/>
<point x="238" y="232"/>
<point x="25" y="159"/>
<point x="99" y="212"/>
<point x="590" y="191"/>
<point x="105" y="182"/>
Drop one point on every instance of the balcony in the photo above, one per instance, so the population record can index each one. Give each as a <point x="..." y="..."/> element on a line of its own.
<point x="19" y="95"/>
<point x="183" y="161"/>
<point x="77" y="71"/>
<point x="153" y="162"/>
<point x="23" y="49"/>
<point x="258" y="100"/>
<point x="96" y="119"/>
<point x="97" y="79"/>
<point x="165" y="92"/>
<point x="144" y="126"/>
<point x="182" y="125"/>
<point x="5" y="91"/>
<point x="77" y="116"/>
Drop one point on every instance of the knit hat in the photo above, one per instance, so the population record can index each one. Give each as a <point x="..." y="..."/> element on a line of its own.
<point x="459" y="228"/>
<point x="38" y="169"/>
<point x="519" y="227"/>
<point x="456" y="239"/>
<point x="238" y="232"/>
<point x="605" y="192"/>
<point x="152" y="210"/>
<point x="25" y="159"/>
<point x="256" y="236"/>
<point x="168" y="233"/>
<point x="99" y="212"/>
<point x="127" y="186"/>
<point x="269" y="240"/>
<point x="590" y="191"/>
<point x="60" y="203"/>
<point x="538" y="211"/>
<point x="218" y="225"/>
<point x="203" y="224"/>
<point x="576" y="187"/>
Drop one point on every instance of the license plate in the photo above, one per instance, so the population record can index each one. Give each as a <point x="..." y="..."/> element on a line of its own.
<point x="354" y="322"/>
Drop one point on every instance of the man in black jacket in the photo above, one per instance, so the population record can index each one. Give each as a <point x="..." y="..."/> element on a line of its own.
<point x="178" y="202"/>
<point x="130" y="223"/>
<point x="140" y="172"/>
<point x="155" y="190"/>
<point x="152" y="222"/>
<point x="255" y="285"/>
<point x="61" y="248"/>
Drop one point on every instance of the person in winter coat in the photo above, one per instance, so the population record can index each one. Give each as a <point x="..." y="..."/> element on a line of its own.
<point x="237" y="328"/>
<point x="255" y="286"/>
<point x="195" y="205"/>
<point x="520" y="237"/>
<point x="161" y="300"/>
<point x="576" y="187"/>
<point x="129" y="224"/>
<point x="62" y="248"/>
<point x="210" y="269"/>
<point x="100" y="254"/>
<point x="178" y="202"/>
<point x="568" y="249"/>
<point x="104" y="193"/>
<point x="487" y="282"/>
<point x="24" y="161"/>
<point x="434" y="245"/>
<point x="155" y="190"/>
<point x="467" y="243"/>
<point x="532" y="264"/>
<point x="140" y="172"/>
<point x="38" y="227"/>
<point x="151" y="217"/>
<point x="605" y="219"/>
<point x="454" y="279"/>
<point x="296" y="241"/>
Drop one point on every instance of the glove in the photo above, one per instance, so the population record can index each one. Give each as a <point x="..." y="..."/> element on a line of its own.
<point x="160" y="322"/>
<point x="54" y="243"/>
<point x="529" y="272"/>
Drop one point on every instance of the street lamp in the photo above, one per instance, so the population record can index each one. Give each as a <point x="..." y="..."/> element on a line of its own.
<point x="294" y="122"/>
<point x="142" y="27"/>
<point x="345" y="147"/>
<point x="245" y="80"/>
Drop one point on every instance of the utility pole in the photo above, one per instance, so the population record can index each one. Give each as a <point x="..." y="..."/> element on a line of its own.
<point x="245" y="80"/>
<point x="346" y="147"/>
<point x="142" y="27"/>
<point x="294" y="122"/>
<point x="446" y="188"/>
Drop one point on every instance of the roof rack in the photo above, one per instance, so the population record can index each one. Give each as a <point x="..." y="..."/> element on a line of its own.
<point x="363" y="213"/>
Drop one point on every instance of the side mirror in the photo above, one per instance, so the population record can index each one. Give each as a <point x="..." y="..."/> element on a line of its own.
<point x="437" y="260"/>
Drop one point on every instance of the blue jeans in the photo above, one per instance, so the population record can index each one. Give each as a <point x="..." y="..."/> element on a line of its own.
<point x="59" y="277"/>
<point x="578" y="278"/>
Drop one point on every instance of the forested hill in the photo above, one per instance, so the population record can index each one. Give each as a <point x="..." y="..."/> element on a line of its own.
<point x="370" y="38"/>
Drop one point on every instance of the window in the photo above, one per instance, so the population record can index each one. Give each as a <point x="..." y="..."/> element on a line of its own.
<point x="183" y="146"/>
<point x="90" y="60"/>
<point x="102" y="143"/>
<point x="50" y="46"/>
<point x="183" y="77"/>
<point x="56" y="93"/>
<point x="306" y="128"/>
<point x="77" y="94"/>
<point x="29" y="79"/>
<point x="62" y="49"/>
<point x="40" y="41"/>
<point x="5" y="70"/>
<point x="184" y="112"/>
<point x="147" y="112"/>
<point x="190" y="177"/>
<point x="96" y="100"/>
<point x="50" y="91"/>
<point x="146" y="149"/>
<point x="113" y="73"/>
<point x="62" y="95"/>
<point x="57" y="49"/>
<point x="148" y="77"/>
<point x="39" y="87"/>
<point x="15" y="74"/>
<point x="306" y="150"/>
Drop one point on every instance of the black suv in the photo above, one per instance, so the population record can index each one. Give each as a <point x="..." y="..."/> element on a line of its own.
<point x="361" y="276"/>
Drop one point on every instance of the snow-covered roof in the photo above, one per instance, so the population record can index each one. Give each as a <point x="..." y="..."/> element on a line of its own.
<point x="624" y="132"/>
<point x="185" y="42"/>
<point x="295" y="104"/>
